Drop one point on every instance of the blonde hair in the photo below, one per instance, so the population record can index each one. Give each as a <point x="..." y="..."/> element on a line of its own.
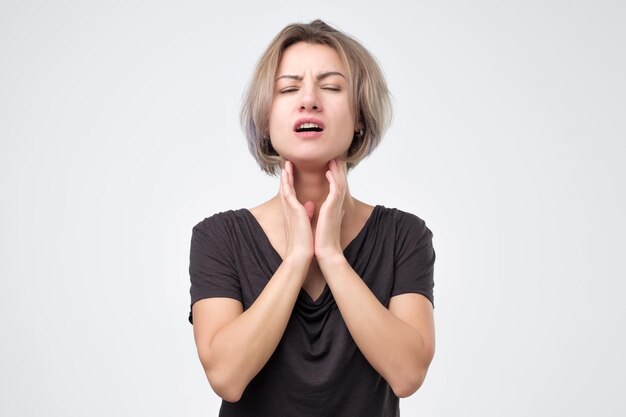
<point x="367" y="88"/>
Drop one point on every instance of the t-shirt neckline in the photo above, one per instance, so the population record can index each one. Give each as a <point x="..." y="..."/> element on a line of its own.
<point x="356" y="238"/>
<point x="359" y="236"/>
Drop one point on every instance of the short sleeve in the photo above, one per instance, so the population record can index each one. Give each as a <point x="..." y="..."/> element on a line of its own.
<point x="211" y="267"/>
<point x="414" y="257"/>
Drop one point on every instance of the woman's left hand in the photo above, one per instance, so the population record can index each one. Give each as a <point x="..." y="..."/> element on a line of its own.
<point x="328" y="228"/>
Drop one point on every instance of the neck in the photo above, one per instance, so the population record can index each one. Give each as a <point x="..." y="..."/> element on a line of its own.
<point x="313" y="186"/>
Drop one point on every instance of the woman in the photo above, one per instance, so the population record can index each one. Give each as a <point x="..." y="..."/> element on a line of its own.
<point x="313" y="303"/>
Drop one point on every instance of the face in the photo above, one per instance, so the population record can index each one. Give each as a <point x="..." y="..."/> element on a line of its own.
<point x="311" y="119"/>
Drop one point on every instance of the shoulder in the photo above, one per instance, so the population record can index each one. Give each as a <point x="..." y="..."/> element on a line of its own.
<point x="403" y="222"/>
<point x="219" y="232"/>
<point x="220" y="222"/>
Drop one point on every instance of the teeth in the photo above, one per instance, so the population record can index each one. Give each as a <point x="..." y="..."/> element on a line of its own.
<point x="308" y="126"/>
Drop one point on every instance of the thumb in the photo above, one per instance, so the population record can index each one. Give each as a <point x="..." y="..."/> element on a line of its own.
<point x="310" y="209"/>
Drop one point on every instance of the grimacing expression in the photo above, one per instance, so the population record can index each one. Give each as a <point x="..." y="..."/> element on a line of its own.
<point x="311" y="119"/>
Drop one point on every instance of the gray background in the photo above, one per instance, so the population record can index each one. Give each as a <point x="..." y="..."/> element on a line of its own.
<point x="119" y="132"/>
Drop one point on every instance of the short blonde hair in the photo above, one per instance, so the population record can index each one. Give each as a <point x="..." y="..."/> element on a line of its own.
<point x="367" y="88"/>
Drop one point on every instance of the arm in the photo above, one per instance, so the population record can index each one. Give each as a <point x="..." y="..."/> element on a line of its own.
<point x="398" y="342"/>
<point x="234" y="345"/>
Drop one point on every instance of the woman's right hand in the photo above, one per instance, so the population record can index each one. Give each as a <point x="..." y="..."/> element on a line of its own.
<point x="296" y="218"/>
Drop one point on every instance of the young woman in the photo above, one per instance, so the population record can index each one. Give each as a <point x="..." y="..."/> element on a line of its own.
<point x="313" y="303"/>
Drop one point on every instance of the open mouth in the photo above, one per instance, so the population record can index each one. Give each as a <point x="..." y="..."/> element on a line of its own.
<point x="309" y="127"/>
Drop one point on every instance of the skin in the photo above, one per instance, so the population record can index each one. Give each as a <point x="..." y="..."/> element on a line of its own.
<point x="309" y="223"/>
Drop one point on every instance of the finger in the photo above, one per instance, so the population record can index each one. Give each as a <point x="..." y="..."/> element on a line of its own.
<point x="288" y="179"/>
<point x="290" y="193"/>
<point x="341" y="175"/>
<point x="343" y="165"/>
<point x="332" y="165"/>
<point x="332" y="187"/>
<point x="291" y="174"/>
<point x="338" y="178"/>
<point x="284" y="183"/>
<point x="341" y="170"/>
<point x="310" y="209"/>
<point x="330" y="176"/>
<point x="335" y="168"/>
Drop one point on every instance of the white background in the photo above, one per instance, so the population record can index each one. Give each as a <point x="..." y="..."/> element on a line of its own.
<point x="119" y="132"/>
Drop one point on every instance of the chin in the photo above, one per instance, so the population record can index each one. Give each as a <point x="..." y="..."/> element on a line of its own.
<point x="310" y="164"/>
<point x="312" y="155"/>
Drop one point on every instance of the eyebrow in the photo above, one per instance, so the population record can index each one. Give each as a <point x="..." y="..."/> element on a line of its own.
<point x="319" y="77"/>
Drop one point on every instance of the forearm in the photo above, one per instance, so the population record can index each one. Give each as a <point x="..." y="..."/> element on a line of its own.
<point x="240" y="349"/>
<point x="393" y="347"/>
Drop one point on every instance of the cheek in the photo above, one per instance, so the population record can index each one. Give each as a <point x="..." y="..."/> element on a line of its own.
<point x="344" y="109"/>
<point x="273" y="119"/>
<point x="276" y="115"/>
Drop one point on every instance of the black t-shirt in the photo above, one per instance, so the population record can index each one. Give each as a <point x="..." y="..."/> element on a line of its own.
<point x="316" y="369"/>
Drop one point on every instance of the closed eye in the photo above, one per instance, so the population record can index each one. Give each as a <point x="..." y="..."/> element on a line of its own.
<point x="331" y="88"/>
<point x="287" y="90"/>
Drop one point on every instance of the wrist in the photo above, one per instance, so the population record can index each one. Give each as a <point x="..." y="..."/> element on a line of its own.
<point x="298" y="260"/>
<point x="330" y="259"/>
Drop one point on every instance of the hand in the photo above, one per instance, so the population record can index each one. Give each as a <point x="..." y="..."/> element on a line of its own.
<point x="328" y="230"/>
<point x="296" y="217"/>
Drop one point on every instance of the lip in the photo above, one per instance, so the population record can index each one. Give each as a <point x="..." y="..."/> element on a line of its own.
<point x="308" y="120"/>
<point x="308" y="135"/>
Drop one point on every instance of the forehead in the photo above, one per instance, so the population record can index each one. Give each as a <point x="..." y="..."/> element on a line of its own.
<point x="303" y="57"/>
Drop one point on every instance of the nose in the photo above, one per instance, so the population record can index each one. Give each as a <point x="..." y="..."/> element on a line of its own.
<point x="310" y="100"/>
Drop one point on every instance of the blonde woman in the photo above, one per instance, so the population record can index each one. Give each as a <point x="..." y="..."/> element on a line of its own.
<point x="313" y="303"/>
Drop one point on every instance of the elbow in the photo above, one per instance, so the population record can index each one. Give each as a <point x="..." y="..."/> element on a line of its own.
<point x="409" y="384"/>
<point x="411" y="377"/>
<point x="224" y="387"/>
<point x="228" y="394"/>
<point x="220" y="379"/>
